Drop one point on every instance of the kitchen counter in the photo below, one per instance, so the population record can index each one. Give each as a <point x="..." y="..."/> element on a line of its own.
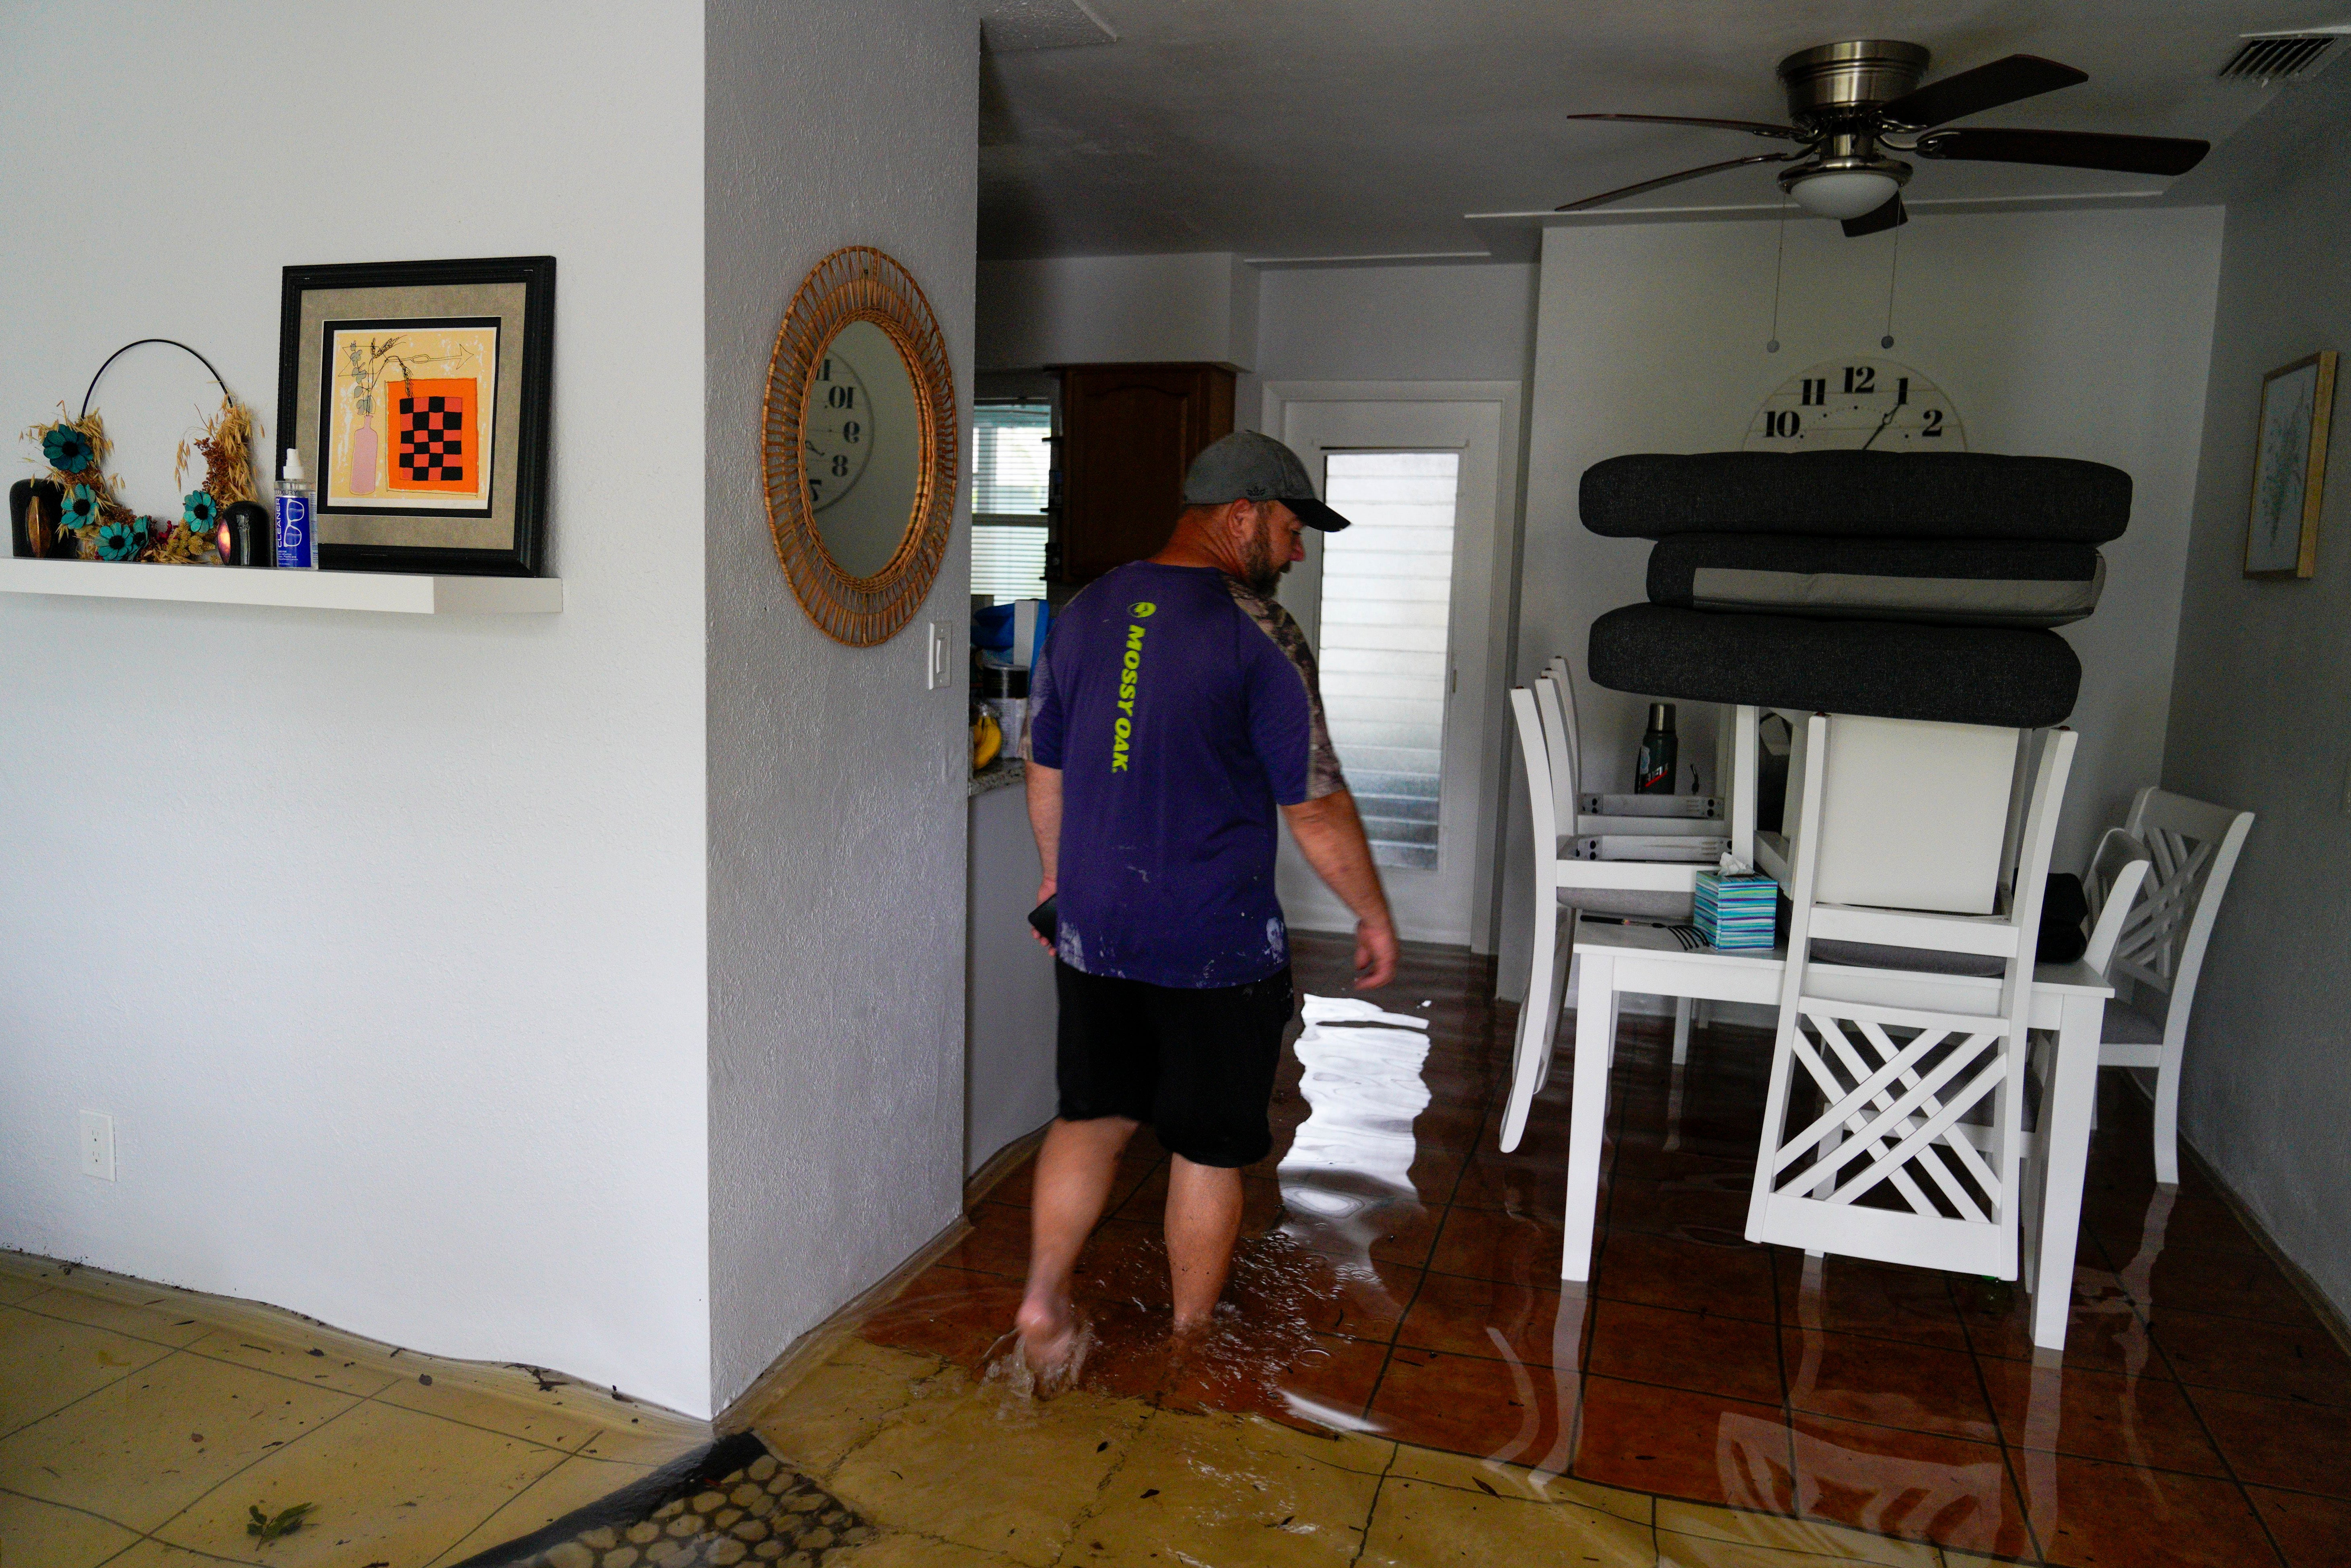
<point x="1010" y="1009"/>
<point x="1003" y="771"/>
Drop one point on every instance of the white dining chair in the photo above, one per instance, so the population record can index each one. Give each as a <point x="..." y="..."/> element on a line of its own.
<point x="1623" y="888"/>
<point x="1596" y="825"/>
<point x="2192" y="848"/>
<point x="1893" y="1127"/>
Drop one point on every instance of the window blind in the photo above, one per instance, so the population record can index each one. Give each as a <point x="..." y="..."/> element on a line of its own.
<point x="1388" y="590"/>
<point x="1011" y="460"/>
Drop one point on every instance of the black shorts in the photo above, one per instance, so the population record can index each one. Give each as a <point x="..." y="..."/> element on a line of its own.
<point x="1197" y="1065"/>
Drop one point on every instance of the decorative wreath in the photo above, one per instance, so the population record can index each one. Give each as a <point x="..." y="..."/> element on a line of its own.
<point x="93" y="524"/>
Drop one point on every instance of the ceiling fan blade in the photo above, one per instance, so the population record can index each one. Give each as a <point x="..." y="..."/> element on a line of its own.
<point x="2067" y="149"/>
<point x="1607" y="196"/>
<point x="1986" y="87"/>
<point x="1892" y="216"/>
<point x="1752" y="127"/>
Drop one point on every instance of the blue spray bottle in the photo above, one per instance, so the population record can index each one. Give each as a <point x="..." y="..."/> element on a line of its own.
<point x="298" y="539"/>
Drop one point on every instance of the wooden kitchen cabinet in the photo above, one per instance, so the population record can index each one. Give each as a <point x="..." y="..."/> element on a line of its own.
<point x="1128" y="432"/>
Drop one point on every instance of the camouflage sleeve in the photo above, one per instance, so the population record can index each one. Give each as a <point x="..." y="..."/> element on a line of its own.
<point x="1323" y="776"/>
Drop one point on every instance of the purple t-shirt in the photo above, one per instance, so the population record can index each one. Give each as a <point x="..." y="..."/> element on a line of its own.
<point x="1181" y="709"/>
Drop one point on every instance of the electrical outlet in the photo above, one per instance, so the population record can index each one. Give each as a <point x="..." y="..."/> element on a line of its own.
<point x="98" y="1144"/>
<point x="938" y="656"/>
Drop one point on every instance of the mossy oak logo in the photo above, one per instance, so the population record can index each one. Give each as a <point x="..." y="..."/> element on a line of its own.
<point x="1130" y="668"/>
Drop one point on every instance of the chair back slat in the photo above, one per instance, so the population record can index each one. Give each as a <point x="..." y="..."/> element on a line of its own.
<point x="2192" y="848"/>
<point x="2118" y="869"/>
<point x="1559" y="750"/>
<point x="1541" y="797"/>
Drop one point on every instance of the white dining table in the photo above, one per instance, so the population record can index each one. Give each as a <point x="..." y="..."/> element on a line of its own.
<point x="2068" y="1000"/>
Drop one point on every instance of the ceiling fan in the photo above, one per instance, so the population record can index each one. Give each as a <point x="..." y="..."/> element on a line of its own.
<point x="1857" y="103"/>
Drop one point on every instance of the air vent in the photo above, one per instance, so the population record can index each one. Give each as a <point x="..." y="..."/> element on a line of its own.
<point x="2285" y="56"/>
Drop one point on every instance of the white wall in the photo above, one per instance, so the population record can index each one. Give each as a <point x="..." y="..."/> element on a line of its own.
<point x="2075" y="334"/>
<point x="380" y="937"/>
<point x="2258" y="722"/>
<point x="1442" y="323"/>
<point x="837" y="782"/>
<point x="1117" y="309"/>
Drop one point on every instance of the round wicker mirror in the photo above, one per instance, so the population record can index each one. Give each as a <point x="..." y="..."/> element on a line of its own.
<point x="858" y="446"/>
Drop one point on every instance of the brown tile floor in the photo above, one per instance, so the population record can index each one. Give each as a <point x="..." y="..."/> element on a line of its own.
<point x="2202" y="1413"/>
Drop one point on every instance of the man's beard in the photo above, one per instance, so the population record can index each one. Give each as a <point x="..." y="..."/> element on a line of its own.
<point x="1259" y="570"/>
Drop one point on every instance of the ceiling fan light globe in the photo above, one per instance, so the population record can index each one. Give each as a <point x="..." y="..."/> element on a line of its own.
<point x="1844" y="193"/>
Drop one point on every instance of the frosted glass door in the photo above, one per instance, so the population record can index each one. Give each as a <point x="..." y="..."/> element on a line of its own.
<point x="1387" y="592"/>
<point x="1407" y="610"/>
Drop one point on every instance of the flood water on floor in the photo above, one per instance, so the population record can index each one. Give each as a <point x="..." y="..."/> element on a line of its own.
<point x="1396" y="1377"/>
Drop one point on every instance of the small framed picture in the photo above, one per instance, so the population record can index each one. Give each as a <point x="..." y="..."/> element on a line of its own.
<point x="2289" y="468"/>
<point x="418" y="393"/>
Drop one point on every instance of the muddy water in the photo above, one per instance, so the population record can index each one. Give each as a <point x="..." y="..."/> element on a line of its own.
<point x="1395" y="1305"/>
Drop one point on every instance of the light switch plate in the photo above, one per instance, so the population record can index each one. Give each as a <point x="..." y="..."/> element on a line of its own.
<point x="938" y="656"/>
<point x="98" y="1144"/>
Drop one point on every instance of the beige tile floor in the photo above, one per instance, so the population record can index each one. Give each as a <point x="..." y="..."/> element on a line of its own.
<point x="954" y="1470"/>
<point x="139" y="1423"/>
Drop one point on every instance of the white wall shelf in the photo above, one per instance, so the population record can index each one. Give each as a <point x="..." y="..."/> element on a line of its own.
<point x="397" y="592"/>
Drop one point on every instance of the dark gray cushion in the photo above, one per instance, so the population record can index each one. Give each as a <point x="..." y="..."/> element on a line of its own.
<point x="1958" y="582"/>
<point x="1904" y="494"/>
<point x="1918" y="961"/>
<point x="1884" y="669"/>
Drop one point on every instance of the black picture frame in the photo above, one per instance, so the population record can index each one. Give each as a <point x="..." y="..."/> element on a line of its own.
<point x="529" y="382"/>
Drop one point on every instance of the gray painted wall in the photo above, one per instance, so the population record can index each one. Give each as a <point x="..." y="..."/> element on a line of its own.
<point x="836" y="781"/>
<point x="2258" y="721"/>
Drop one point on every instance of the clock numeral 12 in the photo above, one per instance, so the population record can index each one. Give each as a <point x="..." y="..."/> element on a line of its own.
<point x="1781" y="422"/>
<point x="1860" y="377"/>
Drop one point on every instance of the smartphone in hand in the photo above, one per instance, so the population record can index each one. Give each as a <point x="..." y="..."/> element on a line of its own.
<point x="1045" y="920"/>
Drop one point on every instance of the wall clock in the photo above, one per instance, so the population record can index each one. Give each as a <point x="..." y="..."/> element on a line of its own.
<point x="1841" y="405"/>
<point x="839" y="432"/>
<point x="857" y="446"/>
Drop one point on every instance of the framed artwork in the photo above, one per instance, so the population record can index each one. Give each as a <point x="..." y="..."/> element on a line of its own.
<point x="2289" y="468"/>
<point x="418" y="393"/>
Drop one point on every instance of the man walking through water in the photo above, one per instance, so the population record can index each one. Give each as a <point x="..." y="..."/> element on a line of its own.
<point x="1174" y="710"/>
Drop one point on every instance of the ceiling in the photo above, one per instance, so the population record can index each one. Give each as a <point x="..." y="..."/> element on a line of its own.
<point x="1312" y="128"/>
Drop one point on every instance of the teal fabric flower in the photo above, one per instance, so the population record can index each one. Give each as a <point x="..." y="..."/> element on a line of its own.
<point x="199" y="511"/>
<point x="119" y="541"/>
<point x="66" y="449"/>
<point x="80" y="509"/>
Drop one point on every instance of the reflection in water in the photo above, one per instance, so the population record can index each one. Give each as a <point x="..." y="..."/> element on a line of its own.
<point x="1353" y="1156"/>
<point x="1963" y="1504"/>
<point x="1350" y="1162"/>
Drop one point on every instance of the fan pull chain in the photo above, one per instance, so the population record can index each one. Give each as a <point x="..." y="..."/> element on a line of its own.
<point x="1778" y="269"/>
<point x="1892" y="272"/>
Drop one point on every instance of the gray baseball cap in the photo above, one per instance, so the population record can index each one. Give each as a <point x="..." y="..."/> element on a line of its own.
<point x="1246" y="466"/>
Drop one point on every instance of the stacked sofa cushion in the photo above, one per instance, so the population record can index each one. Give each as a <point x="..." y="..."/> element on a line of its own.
<point x="1918" y="586"/>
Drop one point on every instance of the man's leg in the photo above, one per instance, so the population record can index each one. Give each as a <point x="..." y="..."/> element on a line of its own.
<point x="1204" y="1220"/>
<point x="1073" y="1182"/>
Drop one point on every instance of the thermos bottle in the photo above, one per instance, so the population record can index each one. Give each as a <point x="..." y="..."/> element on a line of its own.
<point x="1653" y="771"/>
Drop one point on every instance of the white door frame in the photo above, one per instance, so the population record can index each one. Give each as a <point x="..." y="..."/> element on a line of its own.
<point x="1490" y="583"/>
